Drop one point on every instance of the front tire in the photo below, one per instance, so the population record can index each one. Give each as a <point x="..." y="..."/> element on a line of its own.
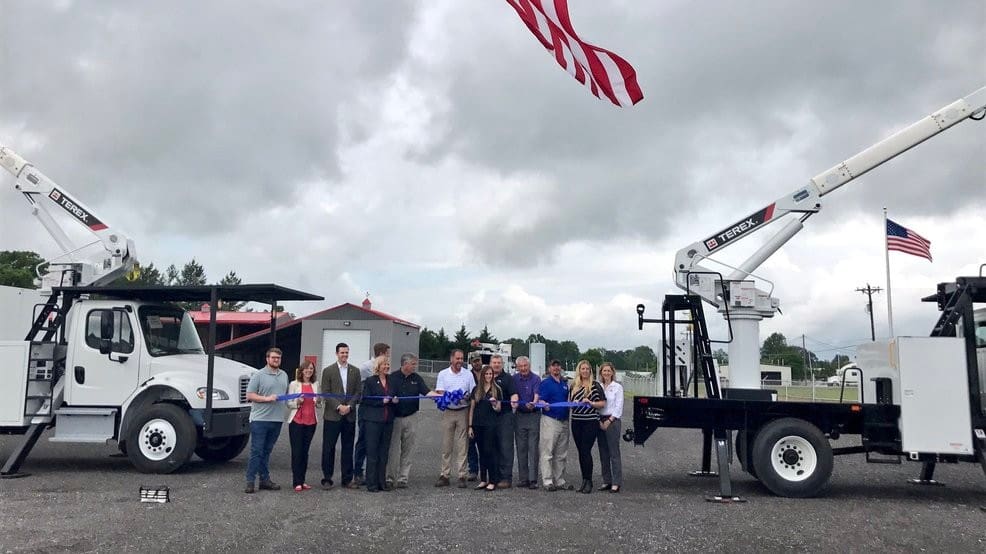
<point x="161" y="440"/>
<point x="221" y="449"/>
<point x="792" y="458"/>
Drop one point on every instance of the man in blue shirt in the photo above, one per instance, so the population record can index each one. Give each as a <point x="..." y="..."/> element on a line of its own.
<point x="554" y="430"/>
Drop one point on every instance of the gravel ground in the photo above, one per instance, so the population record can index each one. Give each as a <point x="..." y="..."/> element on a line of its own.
<point x="80" y="499"/>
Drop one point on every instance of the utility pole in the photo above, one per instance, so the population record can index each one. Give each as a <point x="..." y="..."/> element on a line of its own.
<point x="811" y="370"/>
<point x="869" y="306"/>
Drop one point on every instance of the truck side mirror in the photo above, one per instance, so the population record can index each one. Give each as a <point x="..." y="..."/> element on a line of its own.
<point x="105" y="326"/>
<point x="105" y="346"/>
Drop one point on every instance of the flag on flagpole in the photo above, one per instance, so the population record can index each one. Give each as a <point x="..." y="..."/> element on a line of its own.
<point x="605" y="73"/>
<point x="904" y="240"/>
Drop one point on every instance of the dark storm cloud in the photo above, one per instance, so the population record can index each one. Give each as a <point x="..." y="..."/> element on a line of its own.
<point x="729" y="70"/>
<point x="194" y="111"/>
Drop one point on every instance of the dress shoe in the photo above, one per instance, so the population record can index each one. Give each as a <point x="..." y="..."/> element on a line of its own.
<point x="269" y="485"/>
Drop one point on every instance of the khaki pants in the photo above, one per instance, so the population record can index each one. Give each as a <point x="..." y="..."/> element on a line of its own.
<point x="455" y="425"/>
<point x="401" y="447"/>
<point x="554" y="450"/>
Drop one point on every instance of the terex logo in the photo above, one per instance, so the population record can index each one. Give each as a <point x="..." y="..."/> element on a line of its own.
<point x="69" y="206"/>
<point x="739" y="228"/>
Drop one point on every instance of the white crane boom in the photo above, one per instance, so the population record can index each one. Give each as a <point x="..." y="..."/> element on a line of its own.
<point x="73" y="266"/>
<point x="747" y="304"/>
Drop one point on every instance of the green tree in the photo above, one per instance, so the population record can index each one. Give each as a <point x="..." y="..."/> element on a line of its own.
<point x="148" y="275"/>
<point x="595" y="356"/>
<point x="17" y="268"/>
<point x="486" y="336"/>
<point x="641" y="358"/>
<point x="518" y="347"/>
<point x="443" y="344"/>
<point x="231" y="278"/>
<point x="721" y="356"/>
<point x="192" y="274"/>
<point x="565" y="350"/>
<point x="461" y="339"/>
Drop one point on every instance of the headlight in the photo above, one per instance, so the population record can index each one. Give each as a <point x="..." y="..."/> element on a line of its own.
<point x="217" y="394"/>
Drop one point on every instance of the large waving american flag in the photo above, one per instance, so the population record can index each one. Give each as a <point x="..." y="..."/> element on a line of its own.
<point x="904" y="240"/>
<point x="602" y="71"/>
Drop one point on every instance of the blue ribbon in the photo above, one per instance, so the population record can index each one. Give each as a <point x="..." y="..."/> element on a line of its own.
<point x="443" y="402"/>
<point x="448" y="398"/>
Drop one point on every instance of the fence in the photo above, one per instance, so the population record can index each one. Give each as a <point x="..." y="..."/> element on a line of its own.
<point x="788" y="391"/>
<point x="650" y="385"/>
<point x="431" y="366"/>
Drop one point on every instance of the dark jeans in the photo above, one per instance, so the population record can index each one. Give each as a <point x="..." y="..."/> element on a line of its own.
<point x="472" y="457"/>
<point x="377" y="436"/>
<point x="301" y="441"/>
<point x="263" y="435"/>
<point x="505" y="445"/>
<point x="585" y="433"/>
<point x="331" y="430"/>
<point x="360" y="455"/>
<point x="489" y="460"/>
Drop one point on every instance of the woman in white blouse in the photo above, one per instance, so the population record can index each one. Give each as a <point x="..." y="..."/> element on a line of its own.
<point x="609" y="425"/>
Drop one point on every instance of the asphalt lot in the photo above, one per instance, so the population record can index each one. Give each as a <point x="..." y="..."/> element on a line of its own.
<point x="80" y="499"/>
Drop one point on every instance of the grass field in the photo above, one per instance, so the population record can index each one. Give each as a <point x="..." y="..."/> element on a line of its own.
<point x="822" y="394"/>
<point x="800" y="394"/>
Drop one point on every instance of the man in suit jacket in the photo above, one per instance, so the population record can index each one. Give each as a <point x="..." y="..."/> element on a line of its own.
<point x="339" y="416"/>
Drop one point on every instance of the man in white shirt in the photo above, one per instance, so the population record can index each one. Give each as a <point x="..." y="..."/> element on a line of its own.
<point x="455" y="419"/>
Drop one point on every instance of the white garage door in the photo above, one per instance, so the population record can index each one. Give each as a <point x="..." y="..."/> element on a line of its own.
<point x="358" y="341"/>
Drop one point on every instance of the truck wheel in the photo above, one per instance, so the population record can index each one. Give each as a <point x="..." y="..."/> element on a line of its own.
<point x="792" y="458"/>
<point x="221" y="449"/>
<point x="161" y="439"/>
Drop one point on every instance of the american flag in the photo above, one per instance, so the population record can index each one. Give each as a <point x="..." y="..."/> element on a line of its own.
<point x="904" y="240"/>
<point x="605" y="73"/>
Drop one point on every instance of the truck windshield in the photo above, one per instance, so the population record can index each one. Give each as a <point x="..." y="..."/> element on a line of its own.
<point x="168" y="331"/>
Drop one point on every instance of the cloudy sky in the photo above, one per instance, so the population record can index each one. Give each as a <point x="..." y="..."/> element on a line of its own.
<point x="435" y="155"/>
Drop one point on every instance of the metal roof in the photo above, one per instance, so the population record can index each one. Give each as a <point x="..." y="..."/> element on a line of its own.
<point x="265" y="293"/>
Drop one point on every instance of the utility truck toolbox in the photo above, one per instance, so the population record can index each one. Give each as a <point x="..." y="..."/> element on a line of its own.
<point x="13" y="360"/>
<point x="933" y="382"/>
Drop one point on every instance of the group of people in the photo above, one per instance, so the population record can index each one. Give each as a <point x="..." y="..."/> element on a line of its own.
<point x="373" y="413"/>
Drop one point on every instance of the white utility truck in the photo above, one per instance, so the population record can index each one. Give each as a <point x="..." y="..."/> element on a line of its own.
<point x="910" y="386"/>
<point x="124" y="364"/>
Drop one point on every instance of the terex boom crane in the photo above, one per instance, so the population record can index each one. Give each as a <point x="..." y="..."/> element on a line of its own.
<point x="747" y="304"/>
<point x="910" y="388"/>
<point x="75" y="266"/>
<point x="117" y="364"/>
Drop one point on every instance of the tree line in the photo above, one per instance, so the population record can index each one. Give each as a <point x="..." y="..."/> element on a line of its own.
<point x="803" y="363"/>
<point x="18" y="269"/>
<point x="436" y="345"/>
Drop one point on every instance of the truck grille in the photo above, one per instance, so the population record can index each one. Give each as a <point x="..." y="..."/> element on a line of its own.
<point x="244" y="383"/>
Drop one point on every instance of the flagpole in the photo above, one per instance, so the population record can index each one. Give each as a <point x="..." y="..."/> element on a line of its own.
<point x="886" y="252"/>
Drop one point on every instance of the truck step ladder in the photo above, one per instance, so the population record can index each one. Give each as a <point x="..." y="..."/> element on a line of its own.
<point x="47" y="338"/>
